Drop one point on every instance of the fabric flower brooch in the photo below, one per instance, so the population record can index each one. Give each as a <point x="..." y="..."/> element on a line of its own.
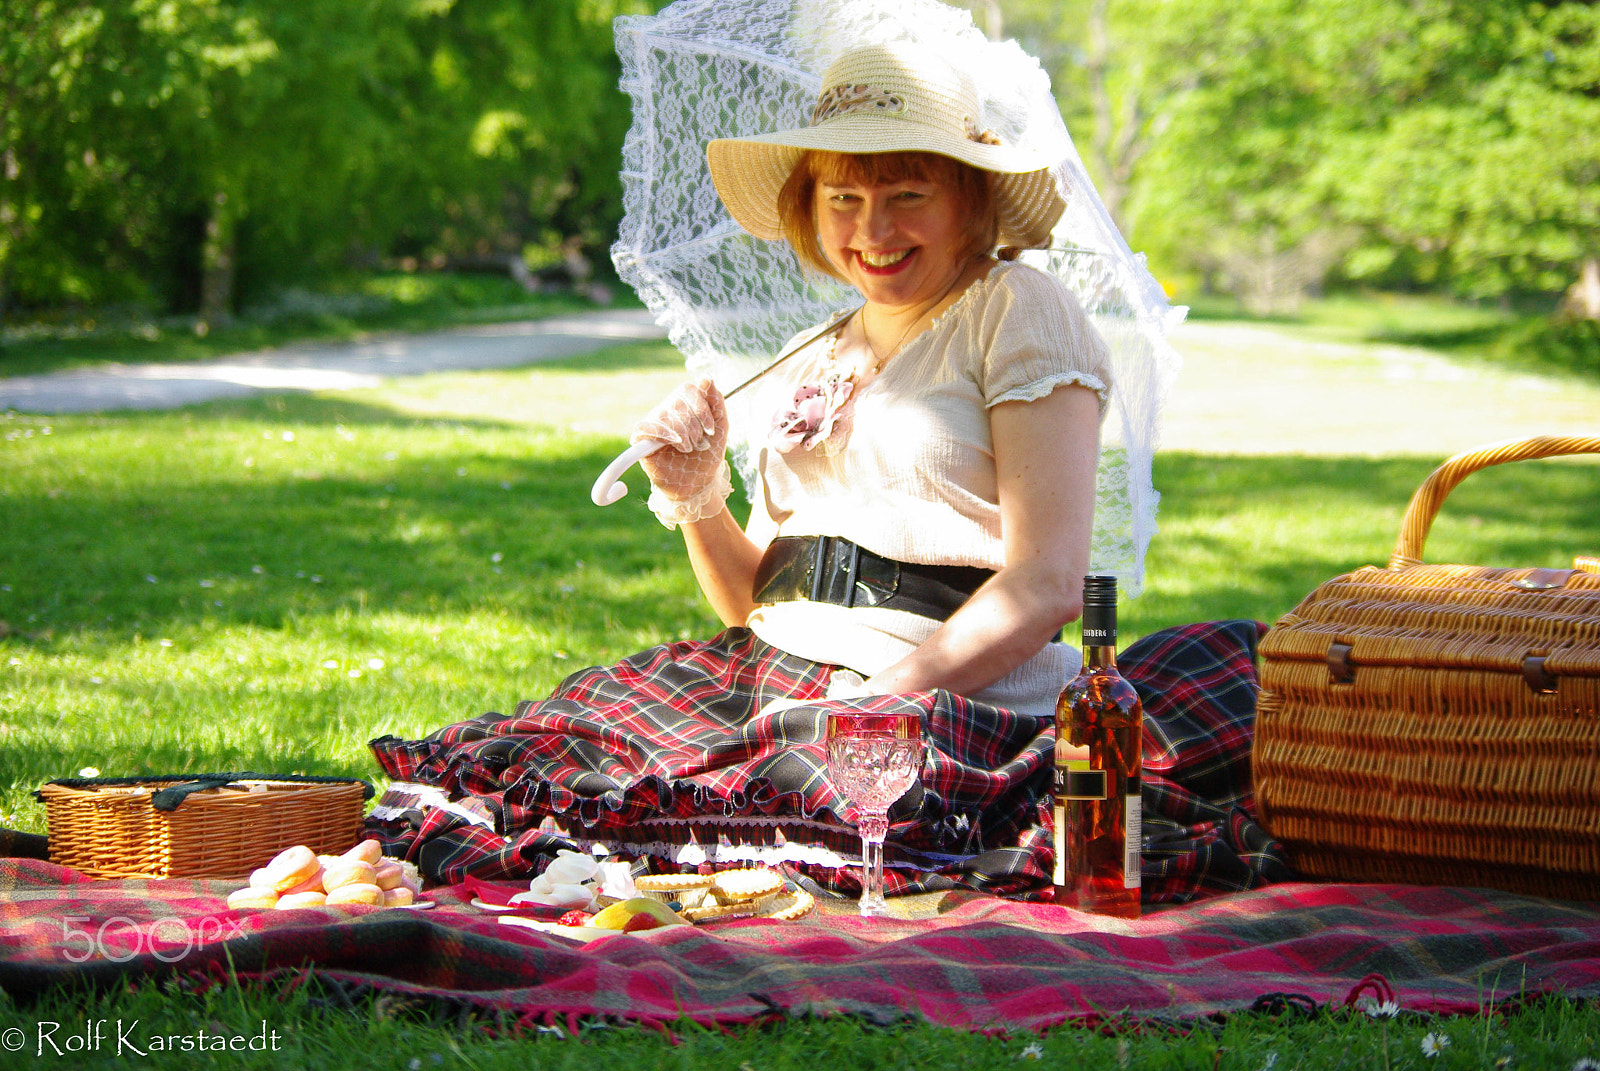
<point x="816" y="418"/>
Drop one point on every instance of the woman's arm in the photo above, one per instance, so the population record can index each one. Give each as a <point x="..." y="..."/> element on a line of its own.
<point x="724" y="560"/>
<point x="1046" y="455"/>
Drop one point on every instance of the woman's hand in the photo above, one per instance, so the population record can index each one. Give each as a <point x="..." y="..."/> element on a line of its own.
<point x="689" y="474"/>
<point x="690" y="484"/>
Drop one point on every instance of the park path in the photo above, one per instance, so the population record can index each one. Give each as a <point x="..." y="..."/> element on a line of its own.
<point x="325" y="366"/>
<point x="1248" y="389"/>
<point x="1243" y="388"/>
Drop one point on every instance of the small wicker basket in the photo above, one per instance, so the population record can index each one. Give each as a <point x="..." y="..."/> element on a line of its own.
<point x="219" y="826"/>
<point x="1439" y="724"/>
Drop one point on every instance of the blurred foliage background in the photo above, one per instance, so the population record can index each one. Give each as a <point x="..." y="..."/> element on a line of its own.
<point x="191" y="157"/>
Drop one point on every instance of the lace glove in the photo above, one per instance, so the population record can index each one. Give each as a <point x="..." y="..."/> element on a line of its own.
<point x="689" y="478"/>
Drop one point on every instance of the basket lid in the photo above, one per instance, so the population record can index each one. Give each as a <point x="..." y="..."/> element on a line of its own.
<point x="167" y="793"/>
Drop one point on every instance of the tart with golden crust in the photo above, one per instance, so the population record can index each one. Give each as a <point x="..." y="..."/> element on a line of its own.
<point x="755" y="886"/>
<point x="689" y="890"/>
<point x="791" y="906"/>
<point x="783" y="907"/>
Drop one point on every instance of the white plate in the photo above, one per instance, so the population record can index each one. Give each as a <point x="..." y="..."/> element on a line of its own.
<point x="577" y="933"/>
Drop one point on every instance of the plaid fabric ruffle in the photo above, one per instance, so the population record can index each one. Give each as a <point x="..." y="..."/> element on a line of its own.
<point x="667" y="756"/>
<point x="1198" y="687"/>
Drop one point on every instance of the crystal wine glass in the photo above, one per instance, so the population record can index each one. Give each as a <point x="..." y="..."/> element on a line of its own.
<point x="873" y="759"/>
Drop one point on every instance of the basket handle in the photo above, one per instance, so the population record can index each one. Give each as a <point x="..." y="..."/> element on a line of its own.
<point x="169" y="798"/>
<point x="1431" y="495"/>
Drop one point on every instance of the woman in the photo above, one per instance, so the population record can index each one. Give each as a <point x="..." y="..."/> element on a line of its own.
<point x="959" y="405"/>
<point x="925" y="471"/>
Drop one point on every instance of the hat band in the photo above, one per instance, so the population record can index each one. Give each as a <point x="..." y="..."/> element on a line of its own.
<point x="850" y="98"/>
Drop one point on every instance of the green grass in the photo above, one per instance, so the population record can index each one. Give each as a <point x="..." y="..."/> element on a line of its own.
<point x="312" y="1029"/>
<point x="1518" y="336"/>
<point x="337" y="309"/>
<point x="268" y="584"/>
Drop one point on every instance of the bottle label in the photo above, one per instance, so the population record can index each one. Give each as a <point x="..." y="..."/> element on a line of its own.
<point x="1099" y="625"/>
<point x="1132" y="819"/>
<point x="1076" y="781"/>
<point x="1061" y="876"/>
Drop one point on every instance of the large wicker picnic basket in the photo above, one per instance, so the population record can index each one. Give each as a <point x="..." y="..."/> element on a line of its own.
<point x="1439" y="724"/>
<point x="198" y="826"/>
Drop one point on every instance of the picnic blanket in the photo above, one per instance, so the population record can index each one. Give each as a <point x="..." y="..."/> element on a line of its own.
<point x="974" y="961"/>
<point x="675" y="750"/>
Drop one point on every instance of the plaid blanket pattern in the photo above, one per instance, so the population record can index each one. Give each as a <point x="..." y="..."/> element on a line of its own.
<point x="670" y="748"/>
<point x="970" y="961"/>
<point x="1198" y="687"/>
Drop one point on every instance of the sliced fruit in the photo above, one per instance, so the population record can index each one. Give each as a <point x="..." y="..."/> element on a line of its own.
<point x="617" y="915"/>
<point x="641" y="922"/>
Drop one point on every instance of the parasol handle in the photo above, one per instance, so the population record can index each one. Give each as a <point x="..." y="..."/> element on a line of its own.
<point x="609" y="488"/>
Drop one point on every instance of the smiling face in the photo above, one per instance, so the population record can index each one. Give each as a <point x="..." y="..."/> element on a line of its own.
<point x="899" y="243"/>
<point x="899" y="227"/>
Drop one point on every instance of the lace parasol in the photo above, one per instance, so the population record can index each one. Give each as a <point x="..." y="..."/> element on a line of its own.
<point x="704" y="69"/>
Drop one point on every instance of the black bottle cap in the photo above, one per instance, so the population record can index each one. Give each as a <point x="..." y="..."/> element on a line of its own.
<point x="1099" y="590"/>
<point x="1099" y="611"/>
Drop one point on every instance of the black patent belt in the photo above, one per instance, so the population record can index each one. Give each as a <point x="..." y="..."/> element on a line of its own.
<point x="833" y="570"/>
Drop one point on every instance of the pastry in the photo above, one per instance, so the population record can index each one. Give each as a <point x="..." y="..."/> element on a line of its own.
<point x="388" y="875"/>
<point x="252" y="896"/>
<point x="368" y="851"/>
<point x="687" y="890"/>
<point x="791" y="906"/>
<point x="345" y="871"/>
<point x="399" y="896"/>
<point x="289" y="868"/>
<point x="754" y="886"/>
<point x="356" y="893"/>
<point x="301" y="899"/>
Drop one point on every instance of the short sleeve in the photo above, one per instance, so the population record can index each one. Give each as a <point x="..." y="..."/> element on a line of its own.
<point x="1035" y="337"/>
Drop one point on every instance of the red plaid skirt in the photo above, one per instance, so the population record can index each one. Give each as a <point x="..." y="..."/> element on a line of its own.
<point x="667" y="757"/>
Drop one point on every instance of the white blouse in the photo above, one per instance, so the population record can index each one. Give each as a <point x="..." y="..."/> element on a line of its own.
<point x="915" y="480"/>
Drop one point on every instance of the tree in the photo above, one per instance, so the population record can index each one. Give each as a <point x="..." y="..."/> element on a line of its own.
<point x="86" y="188"/>
<point x="1275" y="108"/>
<point x="514" y="127"/>
<point x="1266" y="142"/>
<point x="1497" y="177"/>
<point x="170" y="151"/>
<point x="1197" y="129"/>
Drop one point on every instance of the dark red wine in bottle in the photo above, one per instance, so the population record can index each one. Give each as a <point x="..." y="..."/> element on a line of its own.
<point x="1099" y="735"/>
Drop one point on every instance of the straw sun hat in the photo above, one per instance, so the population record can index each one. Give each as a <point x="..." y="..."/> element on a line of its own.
<point x="889" y="98"/>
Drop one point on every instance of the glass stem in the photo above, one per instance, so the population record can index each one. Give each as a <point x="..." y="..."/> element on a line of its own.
<point x="873" y="828"/>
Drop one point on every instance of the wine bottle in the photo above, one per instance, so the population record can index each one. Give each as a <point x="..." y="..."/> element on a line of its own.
<point x="1099" y="735"/>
